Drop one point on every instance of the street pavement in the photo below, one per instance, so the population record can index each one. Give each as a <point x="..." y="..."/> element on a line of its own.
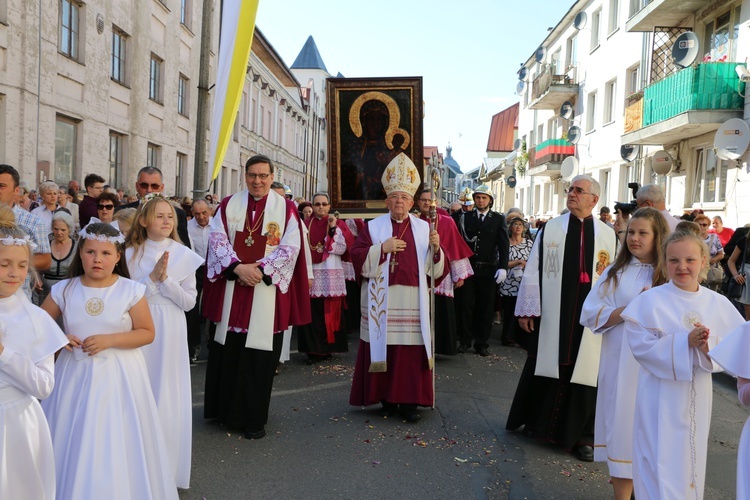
<point x="320" y="447"/>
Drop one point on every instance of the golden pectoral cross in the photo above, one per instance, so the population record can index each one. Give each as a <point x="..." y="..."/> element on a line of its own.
<point x="393" y="264"/>
<point x="249" y="240"/>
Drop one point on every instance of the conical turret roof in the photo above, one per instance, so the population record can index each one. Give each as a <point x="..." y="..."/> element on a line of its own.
<point x="309" y="57"/>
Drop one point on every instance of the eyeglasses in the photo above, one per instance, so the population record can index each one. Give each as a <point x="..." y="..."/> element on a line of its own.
<point x="703" y="225"/>
<point x="320" y="204"/>
<point x="262" y="177"/>
<point x="105" y="207"/>
<point x="146" y="185"/>
<point x="577" y="190"/>
<point x="427" y="200"/>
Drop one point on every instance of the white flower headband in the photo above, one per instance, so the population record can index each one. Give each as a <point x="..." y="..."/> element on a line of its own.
<point x="100" y="237"/>
<point x="151" y="196"/>
<point x="10" y="241"/>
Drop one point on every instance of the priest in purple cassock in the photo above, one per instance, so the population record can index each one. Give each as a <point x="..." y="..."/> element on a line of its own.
<point x="257" y="287"/>
<point x="394" y="254"/>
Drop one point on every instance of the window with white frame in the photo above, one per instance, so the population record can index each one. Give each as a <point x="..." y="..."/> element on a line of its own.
<point x="635" y="6"/>
<point x="70" y="14"/>
<point x="614" y="16"/>
<point x="710" y="177"/>
<point x="596" y="18"/>
<point x="119" y="54"/>
<point x="571" y="50"/>
<point x="260" y="120"/>
<point x="154" y="82"/>
<point x="66" y="148"/>
<point x="632" y="80"/>
<point x="186" y="13"/>
<point x="153" y="154"/>
<point x="552" y="127"/>
<point x="721" y="35"/>
<point x="183" y="95"/>
<point x="604" y="178"/>
<point x="610" y="89"/>
<point x="179" y="174"/>
<point x="540" y="132"/>
<point x="253" y="108"/>
<point x="591" y="112"/>
<point x="116" y="148"/>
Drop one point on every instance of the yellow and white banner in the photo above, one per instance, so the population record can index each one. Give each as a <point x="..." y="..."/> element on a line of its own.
<point x="237" y="27"/>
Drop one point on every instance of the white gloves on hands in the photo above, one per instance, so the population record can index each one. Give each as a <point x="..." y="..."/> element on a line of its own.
<point x="500" y="276"/>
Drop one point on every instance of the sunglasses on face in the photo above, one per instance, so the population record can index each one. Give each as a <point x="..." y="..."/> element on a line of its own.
<point x="105" y="207"/>
<point x="576" y="190"/>
<point x="319" y="204"/>
<point x="146" y="185"/>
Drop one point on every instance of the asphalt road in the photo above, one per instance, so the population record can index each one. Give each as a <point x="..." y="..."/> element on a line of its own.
<point x="319" y="447"/>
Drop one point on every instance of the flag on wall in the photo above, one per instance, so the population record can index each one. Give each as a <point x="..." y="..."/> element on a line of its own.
<point x="237" y="27"/>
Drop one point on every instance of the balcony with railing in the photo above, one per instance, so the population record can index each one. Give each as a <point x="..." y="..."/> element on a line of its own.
<point x="663" y="13"/>
<point x="546" y="157"/>
<point x="551" y="87"/>
<point x="688" y="103"/>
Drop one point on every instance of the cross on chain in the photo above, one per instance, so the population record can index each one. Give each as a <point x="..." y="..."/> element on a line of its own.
<point x="393" y="264"/>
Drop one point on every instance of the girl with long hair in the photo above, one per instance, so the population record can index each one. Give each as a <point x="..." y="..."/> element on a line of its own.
<point x="629" y="275"/>
<point x="157" y="259"/>
<point x="105" y="428"/>
<point x="670" y="330"/>
<point x="28" y="342"/>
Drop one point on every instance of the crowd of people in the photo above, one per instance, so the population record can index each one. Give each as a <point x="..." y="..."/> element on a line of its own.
<point x="127" y="285"/>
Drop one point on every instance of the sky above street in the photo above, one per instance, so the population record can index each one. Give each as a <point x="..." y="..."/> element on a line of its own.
<point x="466" y="52"/>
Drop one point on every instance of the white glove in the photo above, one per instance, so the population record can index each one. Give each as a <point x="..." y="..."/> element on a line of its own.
<point x="500" y="276"/>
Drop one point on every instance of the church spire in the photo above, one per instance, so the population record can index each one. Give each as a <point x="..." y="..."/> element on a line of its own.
<point x="309" y="57"/>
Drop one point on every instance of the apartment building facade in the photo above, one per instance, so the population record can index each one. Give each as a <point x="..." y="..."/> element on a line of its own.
<point x="102" y="87"/>
<point x="610" y="62"/>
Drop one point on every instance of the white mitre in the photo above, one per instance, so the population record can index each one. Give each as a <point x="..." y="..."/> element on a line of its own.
<point x="401" y="175"/>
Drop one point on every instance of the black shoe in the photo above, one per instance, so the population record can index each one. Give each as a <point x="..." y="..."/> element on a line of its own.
<point x="584" y="452"/>
<point x="388" y="409"/>
<point x="410" y="413"/>
<point x="255" y="434"/>
<point x="462" y="348"/>
<point x="193" y="360"/>
<point x="482" y="351"/>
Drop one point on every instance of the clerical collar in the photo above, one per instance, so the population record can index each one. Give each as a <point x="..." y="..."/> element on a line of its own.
<point x="399" y="221"/>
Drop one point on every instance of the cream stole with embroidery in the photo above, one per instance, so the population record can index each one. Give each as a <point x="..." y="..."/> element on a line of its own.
<point x="260" y="328"/>
<point x="586" y="368"/>
<point x="377" y="291"/>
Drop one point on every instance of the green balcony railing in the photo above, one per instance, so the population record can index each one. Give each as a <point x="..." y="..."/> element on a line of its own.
<point x="705" y="86"/>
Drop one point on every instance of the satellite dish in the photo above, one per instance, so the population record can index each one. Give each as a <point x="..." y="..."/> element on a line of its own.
<point x="569" y="168"/>
<point x="685" y="49"/>
<point x="540" y="54"/>
<point x="732" y="139"/>
<point x="566" y="110"/>
<point x="522" y="73"/>
<point x="574" y="134"/>
<point x="629" y="152"/>
<point x="661" y="162"/>
<point x="521" y="88"/>
<point x="511" y="181"/>
<point x="517" y="144"/>
<point x="580" y="21"/>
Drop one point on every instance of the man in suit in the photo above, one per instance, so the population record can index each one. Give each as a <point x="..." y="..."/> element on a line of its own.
<point x="150" y="180"/>
<point x="487" y="235"/>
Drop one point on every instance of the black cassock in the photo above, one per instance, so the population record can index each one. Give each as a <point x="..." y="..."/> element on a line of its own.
<point x="557" y="410"/>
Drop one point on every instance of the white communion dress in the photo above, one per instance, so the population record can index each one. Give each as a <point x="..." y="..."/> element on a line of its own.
<point x="618" y="369"/>
<point x="102" y="415"/>
<point x="30" y="338"/>
<point x="167" y="356"/>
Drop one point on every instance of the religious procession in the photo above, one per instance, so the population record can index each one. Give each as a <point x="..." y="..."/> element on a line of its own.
<point x="400" y="327"/>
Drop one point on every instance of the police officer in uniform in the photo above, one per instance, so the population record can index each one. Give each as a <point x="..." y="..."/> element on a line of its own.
<point x="486" y="234"/>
